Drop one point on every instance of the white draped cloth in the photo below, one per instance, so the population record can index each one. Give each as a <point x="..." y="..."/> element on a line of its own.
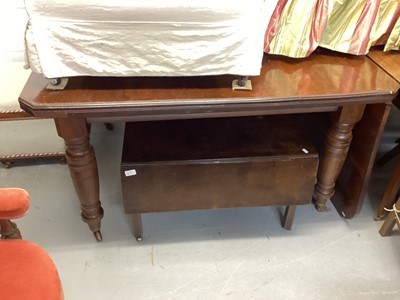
<point x="67" y="38"/>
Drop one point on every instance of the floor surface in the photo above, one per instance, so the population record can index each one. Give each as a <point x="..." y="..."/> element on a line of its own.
<point x="222" y="254"/>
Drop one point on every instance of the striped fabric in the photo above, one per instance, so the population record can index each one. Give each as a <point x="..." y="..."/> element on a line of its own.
<point x="298" y="27"/>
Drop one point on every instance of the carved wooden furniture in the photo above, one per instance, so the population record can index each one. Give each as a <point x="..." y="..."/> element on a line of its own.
<point x="390" y="62"/>
<point x="352" y="90"/>
<point x="216" y="163"/>
<point x="26" y="270"/>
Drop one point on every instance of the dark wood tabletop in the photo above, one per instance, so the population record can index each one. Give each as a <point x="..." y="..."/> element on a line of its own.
<point x="388" y="61"/>
<point x="324" y="79"/>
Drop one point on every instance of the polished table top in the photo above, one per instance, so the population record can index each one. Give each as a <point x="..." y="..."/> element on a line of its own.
<point x="389" y="61"/>
<point x="325" y="79"/>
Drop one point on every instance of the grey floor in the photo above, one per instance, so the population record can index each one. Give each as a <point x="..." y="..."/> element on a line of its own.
<point x="224" y="254"/>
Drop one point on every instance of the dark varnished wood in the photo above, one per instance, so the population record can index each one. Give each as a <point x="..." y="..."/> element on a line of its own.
<point x="288" y="217"/>
<point x="355" y="175"/>
<point x="218" y="138"/>
<point x="353" y="178"/>
<point x="191" y="164"/>
<point x="337" y="144"/>
<point x="390" y="62"/>
<point x="216" y="163"/>
<point x="321" y="83"/>
<point x="83" y="169"/>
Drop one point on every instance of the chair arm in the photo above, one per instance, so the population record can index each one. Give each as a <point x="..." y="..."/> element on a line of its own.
<point x="14" y="203"/>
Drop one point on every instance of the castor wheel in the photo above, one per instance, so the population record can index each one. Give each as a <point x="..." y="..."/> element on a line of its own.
<point x="7" y="164"/>
<point x="57" y="84"/>
<point x="109" y="126"/>
<point x="15" y="235"/>
<point x="322" y="207"/>
<point x="98" y="236"/>
<point x="54" y="81"/>
<point x="380" y="217"/>
<point x="9" y="230"/>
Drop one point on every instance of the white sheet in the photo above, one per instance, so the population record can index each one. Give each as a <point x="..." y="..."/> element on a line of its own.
<point x="146" y="37"/>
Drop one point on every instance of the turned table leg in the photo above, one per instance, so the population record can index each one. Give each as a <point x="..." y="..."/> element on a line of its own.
<point x="337" y="144"/>
<point x="82" y="165"/>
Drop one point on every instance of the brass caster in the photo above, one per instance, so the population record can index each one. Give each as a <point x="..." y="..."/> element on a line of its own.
<point x="98" y="236"/>
<point x="16" y="235"/>
<point x="380" y="218"/>
<point x="322" y="207"/>
<point x="9" y="231"/>
<point x="63" y="160"/>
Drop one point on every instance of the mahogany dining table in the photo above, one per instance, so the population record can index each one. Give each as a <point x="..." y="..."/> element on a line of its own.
<point x="351" y="91"/>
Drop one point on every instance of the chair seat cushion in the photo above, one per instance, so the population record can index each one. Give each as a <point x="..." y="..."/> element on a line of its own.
<point x="14" y="203"/>
<point x="27" y="272"/>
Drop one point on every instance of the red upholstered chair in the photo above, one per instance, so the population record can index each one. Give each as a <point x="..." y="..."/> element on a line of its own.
<point x="26" y="270"/>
